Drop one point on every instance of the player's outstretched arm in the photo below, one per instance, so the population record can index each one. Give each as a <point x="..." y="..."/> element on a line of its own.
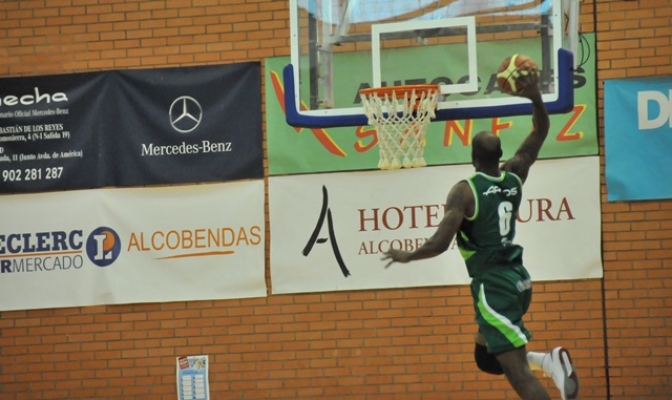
<point x="459" y="198"/>
<point x="528" y="151"/>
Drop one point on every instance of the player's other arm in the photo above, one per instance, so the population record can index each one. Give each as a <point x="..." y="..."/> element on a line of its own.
<point x="458" y="201"/>
<point x="528" y="151"/>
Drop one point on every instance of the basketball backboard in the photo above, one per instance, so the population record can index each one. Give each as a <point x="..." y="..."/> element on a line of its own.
<point x="341" y="46"/>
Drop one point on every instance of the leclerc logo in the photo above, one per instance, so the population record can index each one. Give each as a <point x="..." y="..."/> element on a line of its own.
<point x="103" y="246"/>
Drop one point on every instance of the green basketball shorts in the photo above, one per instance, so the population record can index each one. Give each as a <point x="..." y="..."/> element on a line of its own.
<point x="502" y="295"/>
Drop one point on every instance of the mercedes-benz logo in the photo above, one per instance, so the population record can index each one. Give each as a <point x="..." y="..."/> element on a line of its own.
<point x="185" y="114"/>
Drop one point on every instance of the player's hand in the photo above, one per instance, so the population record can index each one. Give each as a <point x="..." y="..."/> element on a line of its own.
<point x="529" y="84"/>
<point x="396" y="256"/>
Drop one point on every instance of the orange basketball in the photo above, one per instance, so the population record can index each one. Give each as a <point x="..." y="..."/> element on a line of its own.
<point x="511" y="69"/>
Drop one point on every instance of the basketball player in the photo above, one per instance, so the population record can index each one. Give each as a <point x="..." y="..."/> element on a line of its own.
<point x="482" y="211"/>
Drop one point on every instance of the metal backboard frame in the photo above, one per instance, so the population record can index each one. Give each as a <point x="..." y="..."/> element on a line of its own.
<point x="318" y="109"/>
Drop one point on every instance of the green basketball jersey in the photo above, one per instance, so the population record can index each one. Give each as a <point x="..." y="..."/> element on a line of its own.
<point x="486" y="238"/>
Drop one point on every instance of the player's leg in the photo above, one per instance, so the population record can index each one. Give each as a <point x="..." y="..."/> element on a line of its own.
<point x="507" y="308"/>
<point x="558" y="365"/>
<point x="501" y="298"/>
<point x="520" y="376"/>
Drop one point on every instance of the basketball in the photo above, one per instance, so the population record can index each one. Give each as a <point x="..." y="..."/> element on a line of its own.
<point x="511" y="69"/>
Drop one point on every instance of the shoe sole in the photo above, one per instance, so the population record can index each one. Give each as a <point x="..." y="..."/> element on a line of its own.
<point x="572" y="382"/>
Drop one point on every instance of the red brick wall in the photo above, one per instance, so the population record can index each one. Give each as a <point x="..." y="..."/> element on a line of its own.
<point x="369" y="345"/>
<point x="634" y="39"/>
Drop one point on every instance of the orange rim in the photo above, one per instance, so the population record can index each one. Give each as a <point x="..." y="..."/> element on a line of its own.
<point x="401" y="91"/>
<point x="404" y="89"/>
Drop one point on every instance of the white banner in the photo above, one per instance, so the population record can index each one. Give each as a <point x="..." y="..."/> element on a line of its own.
<point x="328" y="230"/>
<point x="117" y="246"/>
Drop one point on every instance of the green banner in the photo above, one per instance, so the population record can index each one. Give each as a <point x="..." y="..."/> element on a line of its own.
<point x="308" y="150"/>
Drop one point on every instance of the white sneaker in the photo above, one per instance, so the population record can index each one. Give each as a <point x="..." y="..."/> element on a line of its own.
<point x="563" y="374"/>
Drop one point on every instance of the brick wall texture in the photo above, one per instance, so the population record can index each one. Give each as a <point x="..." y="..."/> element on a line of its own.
<point x="365" y="345"/>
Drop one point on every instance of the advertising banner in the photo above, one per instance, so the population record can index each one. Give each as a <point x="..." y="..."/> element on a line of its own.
<point x="329" y="230"/>
<point x="305" y="150"/>
<point x="120" y="246"/>
<point x="176" y="125"/>
<point x="128" y="128"/>
<point x="51" y="132"/>
<point x="638" y="138"/>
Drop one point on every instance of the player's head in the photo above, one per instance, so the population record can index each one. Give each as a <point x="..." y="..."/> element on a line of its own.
<point x="486" y="150"/>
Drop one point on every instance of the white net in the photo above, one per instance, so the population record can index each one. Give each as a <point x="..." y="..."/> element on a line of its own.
<point x="401" y="116"/>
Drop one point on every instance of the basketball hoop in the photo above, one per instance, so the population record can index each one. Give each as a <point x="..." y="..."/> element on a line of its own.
<point x="401" y="115"/>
